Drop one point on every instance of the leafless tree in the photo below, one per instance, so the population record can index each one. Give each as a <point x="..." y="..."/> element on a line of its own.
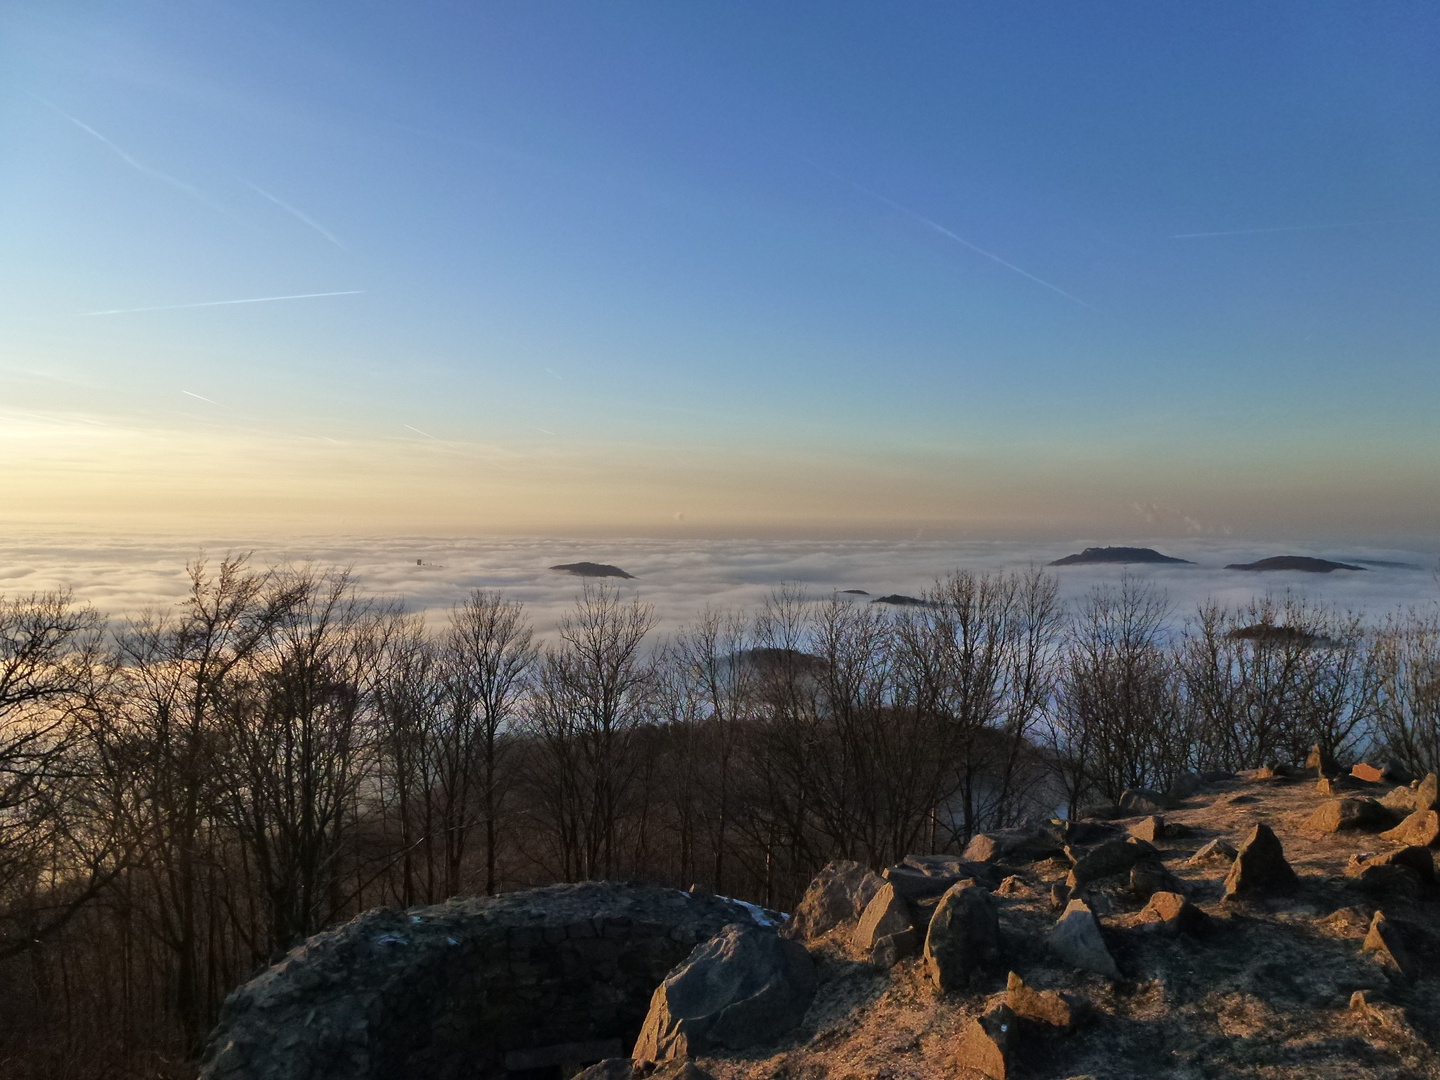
<point x="593" y="689"/>
<point x="1407" y="664"/>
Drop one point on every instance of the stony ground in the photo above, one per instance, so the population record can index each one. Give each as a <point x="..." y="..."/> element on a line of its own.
<point x="1267" y="994"/>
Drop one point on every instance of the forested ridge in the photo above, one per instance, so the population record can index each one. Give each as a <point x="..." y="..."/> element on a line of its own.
<point x="185" y="796"/>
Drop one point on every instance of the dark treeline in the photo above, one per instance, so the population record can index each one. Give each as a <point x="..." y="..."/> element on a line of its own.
<point x="185" y="797"/>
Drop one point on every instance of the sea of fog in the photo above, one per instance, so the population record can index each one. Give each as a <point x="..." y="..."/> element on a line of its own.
<point x="125" y="574"/>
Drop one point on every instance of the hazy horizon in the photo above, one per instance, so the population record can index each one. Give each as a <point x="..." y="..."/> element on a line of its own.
<point x="124" y="574"/>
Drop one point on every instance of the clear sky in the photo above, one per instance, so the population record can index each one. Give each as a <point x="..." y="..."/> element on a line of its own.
<point x="1000" y="269"/>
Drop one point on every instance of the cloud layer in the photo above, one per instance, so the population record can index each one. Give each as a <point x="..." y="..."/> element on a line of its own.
<point x="124" y="575"/>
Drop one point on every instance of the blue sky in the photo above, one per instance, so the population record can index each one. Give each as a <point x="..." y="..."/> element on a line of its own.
<point x="829" y="268"/>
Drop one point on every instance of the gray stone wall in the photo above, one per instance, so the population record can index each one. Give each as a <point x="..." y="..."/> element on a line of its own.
<point x="524" y="983"/>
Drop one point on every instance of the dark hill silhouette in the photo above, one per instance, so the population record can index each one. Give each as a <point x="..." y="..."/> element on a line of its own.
<point x="901" y="600"/>
<point x="1269" y="632"/>
<point x="1117" y="555"/>
<point x="1295" y="562"/>
<point x="854" y="592"/>
<point x="592" y="569"/>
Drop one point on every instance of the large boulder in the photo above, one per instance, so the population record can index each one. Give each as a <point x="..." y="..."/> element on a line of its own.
<point x="1344" y="815"/>
<point x="1383" y="941"/>
<point x="1171" y="913"/>
<point x="1422" y="828"/>
<point x="887" y="928"/>
<point x="1076" y="939"/>
<point x="546" y="978"/>
<point x="1051" y="1008"/>
<point x="1108" y="859"/>
<point x="1260" y="867"/>
<point x="1018" y="845"/>
<point x="745" y="987"/>
<point x="983" y="1048"/>
<point x="964" y="937"/>
<point x="839" y="894"/>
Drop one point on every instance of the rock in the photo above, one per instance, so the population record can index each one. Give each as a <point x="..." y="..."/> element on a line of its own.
<point x="1059" y="895"/>
<point x="1427" y="794"/>
<point x="616" y="1068"/>
<point x="946" y="866"/>
<point x="1077" y="940"/>
<point x="1260" y="867"/>
<point x="1422" y="828"/>
<point x="1010" y="845"/>
<point x="1319" y="763"/>
<point x="1343" y="815"/>
<point x="839" y="893"/>
<point x="1392" y="771"/>
<point x="539" y="978"/>
<point x="1014" y="885"/>
<point x="964" y="937"/>
<point x="984" y="1045"/>
<point x="915" y="887"/>
<point x="1414" y="857"/>
<point x="743" y="988"/>
<point x="1100" y="812"/>
<point x="1242" y="800"/>
<point x="678" y="1069"/>
<point x="1149" y="876"/>
<point x="1218" y="776"/>
<point x="887" y="916"/>
<point x="1172" y="913"/>
<point x="1142" y="801"/>
<point x="1383" y="940"/>
<point x="1057" y="1010"/>
<point x="1108" y="859"/>
<point x="1421" y="796"/>
<point x="1150" y="829"/>
<point x="1214" y="850"/>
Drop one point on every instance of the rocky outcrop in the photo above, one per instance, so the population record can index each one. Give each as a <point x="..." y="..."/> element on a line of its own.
<point x="1422" y="828"/>
<point x="838" y="894"/>
<point x="1076" y="939"/>
<point x="743" y="988"/>
<point x="1260" y="868"/>
<point x="1051" y="1008"/>
<point x="539" y="979"/>
<point x="984" y="1045"/>
<point x="1340" y="815"/>
<point x="887" y="929"/>
<point x="963" y="939"/>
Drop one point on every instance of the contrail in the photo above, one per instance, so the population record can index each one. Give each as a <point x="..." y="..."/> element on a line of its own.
<point x="216" y="303"/>
<point x="418" y="431"/>
<point x="137" y="165"/>
<point x="1303" y="228"/>
<point x="198" y="396"/>
<point x="305" y="219"/>
<point x="943" y="231"/>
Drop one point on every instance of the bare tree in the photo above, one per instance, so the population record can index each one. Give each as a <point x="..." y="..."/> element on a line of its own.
<point x="1407" y="663"/>
<point x="295" y="755"/>
<point x="57" y="846"/>
<point x="593" y="689"/>
<point x="1118" y="721"/>
<point x="489" y="654"/>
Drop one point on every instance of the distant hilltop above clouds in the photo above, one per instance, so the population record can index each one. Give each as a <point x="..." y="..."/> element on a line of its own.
<point x="1117" y="555"/>
<point x="592" y="569"/>
<point x="1295" y="562"/>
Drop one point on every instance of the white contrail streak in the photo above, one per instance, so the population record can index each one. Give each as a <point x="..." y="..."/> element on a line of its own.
<point x="1303" y="228"/>
<point x="199" y="397"/>
<point x="303" y="218"/>
<point x="418" y="431"/>
<point x="943" y="231"/>
<point x="134" y="163"/>
<point x="216" y="303"/>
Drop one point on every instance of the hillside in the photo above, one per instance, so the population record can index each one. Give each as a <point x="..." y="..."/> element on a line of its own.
<point x="1094" y="555"/>
<point x="1295" y="562"/>
<point x="1135" y="943"/>
<point x="592" y="569"/>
